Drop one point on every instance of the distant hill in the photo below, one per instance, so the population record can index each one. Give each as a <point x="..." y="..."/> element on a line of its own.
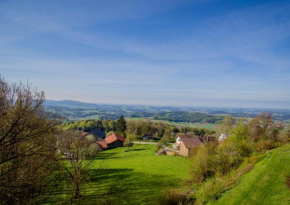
<point x="81" y="110"/>
<point x="68" y="103"/>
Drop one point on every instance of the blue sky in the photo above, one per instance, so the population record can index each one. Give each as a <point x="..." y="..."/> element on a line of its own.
<point x="171" y="52"/>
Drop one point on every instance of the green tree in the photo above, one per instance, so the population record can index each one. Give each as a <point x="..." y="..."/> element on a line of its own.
<point x="121" y="126"/>
<point x="27" y="145"/>
<point x="128" y="143"/>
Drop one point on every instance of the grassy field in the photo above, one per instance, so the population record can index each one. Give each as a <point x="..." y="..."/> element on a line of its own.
<point x="208" y="126"/>
<point x="265" y="184"/>
<point x="135" y="177"/>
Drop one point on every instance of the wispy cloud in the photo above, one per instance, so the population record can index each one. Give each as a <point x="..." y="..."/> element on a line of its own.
<point x="21" y="18"/>
<point x="159" y="49"/>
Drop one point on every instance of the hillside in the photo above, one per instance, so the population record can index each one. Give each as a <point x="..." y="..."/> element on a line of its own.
<point x="74" y="110"/>
<point x="265" y="184"/>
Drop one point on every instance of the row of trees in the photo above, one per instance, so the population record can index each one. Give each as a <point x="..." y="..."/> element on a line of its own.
<point x="188" y="116"/>
<point x="135" y="129"/>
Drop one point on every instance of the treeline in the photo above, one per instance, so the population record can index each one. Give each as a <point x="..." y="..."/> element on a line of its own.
<point x="191" y="117"/>
<point x="136" y="129"/>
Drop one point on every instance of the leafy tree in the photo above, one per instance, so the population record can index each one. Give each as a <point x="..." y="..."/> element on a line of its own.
<point x="128" y="143"/>
<point x="240" y="132"/>
<point x="27" y="145"/>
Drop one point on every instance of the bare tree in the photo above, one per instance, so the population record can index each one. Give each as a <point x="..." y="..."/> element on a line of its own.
<point x="80" y="153"/>
<point x="27" y="144"/>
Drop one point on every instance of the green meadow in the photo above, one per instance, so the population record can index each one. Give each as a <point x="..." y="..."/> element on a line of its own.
<point x="209" y="126"/>
<point x="134" y="177"/>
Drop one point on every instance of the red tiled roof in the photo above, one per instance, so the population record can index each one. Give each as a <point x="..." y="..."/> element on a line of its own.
<point x="84" y="133"/>
<point x="103" y="144"/>
<point x="113" y="138"/>
<point x="191" y="142"/>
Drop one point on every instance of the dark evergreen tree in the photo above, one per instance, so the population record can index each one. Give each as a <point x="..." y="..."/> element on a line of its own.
<point x="121" y="126"/>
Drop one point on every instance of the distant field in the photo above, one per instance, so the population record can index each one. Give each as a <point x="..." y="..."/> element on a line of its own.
<point x="208" y="126"/>
<point x="135" y="177"/>
<point x="265" y="183"/>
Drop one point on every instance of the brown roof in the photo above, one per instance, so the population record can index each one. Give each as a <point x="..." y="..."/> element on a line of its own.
<point x="186" y="136"/>
<point x="206" y="139"/>
<point x="103" y="144"/>
<point x="113" y="138"/>
<point x="191" y="142"/>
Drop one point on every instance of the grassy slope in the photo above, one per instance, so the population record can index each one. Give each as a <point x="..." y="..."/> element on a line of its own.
<point x="136" y="177"/>
<point x="265" y="183"/>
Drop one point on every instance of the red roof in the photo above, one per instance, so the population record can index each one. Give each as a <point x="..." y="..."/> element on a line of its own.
<point x="191" y="142"/>
<point x="84" y="134"/>
<point x="113" y="138"/>
<point x="103" y="144"/>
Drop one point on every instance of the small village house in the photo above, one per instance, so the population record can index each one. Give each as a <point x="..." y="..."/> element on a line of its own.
<point x="178" y="140"/>
<point x="189" y="146"/>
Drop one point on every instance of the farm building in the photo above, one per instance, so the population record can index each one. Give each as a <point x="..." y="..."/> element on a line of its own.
<point x="178" y="139"/>
<point x="222" y="138"/>
<point x="188" y="146"/>
<point x="103" y="144"/>
<point x="115" y="140"/>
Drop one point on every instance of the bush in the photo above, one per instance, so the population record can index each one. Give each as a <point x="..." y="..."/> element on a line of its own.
<point x="173" y="197"/>
<point x="211" y="190"/>
<point x="202" y="165"/>
<point x="94" y="149"/>
<point x="245" y="149"/>
<point x="265" y="145"/>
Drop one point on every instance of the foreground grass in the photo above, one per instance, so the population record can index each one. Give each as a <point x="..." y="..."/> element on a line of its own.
<point x="265" y="184"/>
<point x="134" y="177"/>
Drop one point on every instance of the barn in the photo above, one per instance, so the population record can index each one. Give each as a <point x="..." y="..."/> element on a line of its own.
<point x="115" y="140"/>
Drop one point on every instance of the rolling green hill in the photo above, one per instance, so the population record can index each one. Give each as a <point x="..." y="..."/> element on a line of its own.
<point x="265" y="184"/>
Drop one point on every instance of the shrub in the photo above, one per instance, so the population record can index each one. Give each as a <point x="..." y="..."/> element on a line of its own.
<point x="94" y="149"/>
<point x="202" y="165"/>
<point x="210" y="191"/>
<point x="173" y="197"/>
<point x="245" y="149"/>
<point x="265" y="145"/>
